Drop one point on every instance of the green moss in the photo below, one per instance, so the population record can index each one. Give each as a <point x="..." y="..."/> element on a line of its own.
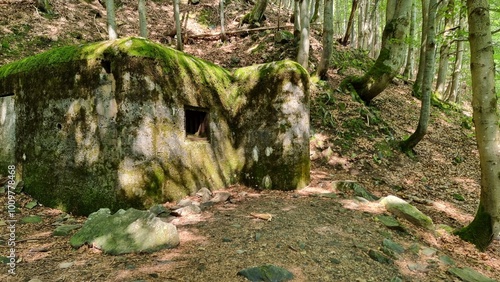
<point x="480" y="231"/>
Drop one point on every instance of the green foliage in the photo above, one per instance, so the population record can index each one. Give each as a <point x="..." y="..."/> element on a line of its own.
<point x="208" y="17"/>
<point x="352" y="58"/>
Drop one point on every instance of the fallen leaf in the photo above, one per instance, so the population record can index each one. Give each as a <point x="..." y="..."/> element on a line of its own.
<point x="264" y="216"/>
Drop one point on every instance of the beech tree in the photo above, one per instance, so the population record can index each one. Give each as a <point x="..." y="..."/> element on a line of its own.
<point x="350" y="23"/>
<point x="178" y="28"/>
<point x="392" y="53"/>
<point x="110" y="11"/>
<point x="255" y="17"/>
<point x="327" y="40"/>
<point x="303" y="52"/>
<point x="143" y="24"/>
<point x="428" y="76"/>
<point x="486" y="113"/>
<point x="452" y="89"/>
<point x="417" y="86"/>
<point x="410" y="58"/>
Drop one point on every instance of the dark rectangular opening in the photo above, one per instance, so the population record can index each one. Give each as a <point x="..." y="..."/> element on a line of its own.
<point x="197" y="123"/>
<point x="6" y="94"/>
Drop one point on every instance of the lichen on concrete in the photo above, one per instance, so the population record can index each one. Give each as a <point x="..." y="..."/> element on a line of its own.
<point x="106" y="128"/>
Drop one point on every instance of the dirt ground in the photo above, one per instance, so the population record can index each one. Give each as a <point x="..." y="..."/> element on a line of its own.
<point x="318" y="233"/>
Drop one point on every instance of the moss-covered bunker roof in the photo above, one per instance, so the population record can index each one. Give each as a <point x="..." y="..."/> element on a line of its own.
<point x="129" y="46"/>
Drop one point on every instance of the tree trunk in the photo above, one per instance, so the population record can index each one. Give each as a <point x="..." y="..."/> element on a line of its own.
<point x="178" y="28"/>
<point x="315" y="15"/>
<point x="410" y="58"/>
<point x="222" y="25"/>
<point x="296" y="18"/>
<point x="110" y="11"/>
<point x="452" y="96"/>
<point x="303" y="53"/>
<point x="428" y="76"/>
<point x="417" y="86"/>
<point x="256" y="16"/>
<point x="373" y="31"/>
<point x="444" y="50"/>
<point x="486" y="223"/>
<point x="143" y="24"/>
<point x="391" y="57"/>
<point x="327" y="40"/>
<point x="350" y="23"/>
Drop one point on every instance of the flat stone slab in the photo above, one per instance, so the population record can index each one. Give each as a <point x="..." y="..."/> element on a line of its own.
<point x="130" y="231"/>
<point x="469" y="275"/>
<point x="266" y="273"/>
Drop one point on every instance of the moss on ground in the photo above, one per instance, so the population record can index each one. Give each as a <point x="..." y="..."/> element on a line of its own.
<point x="480" y="231"/>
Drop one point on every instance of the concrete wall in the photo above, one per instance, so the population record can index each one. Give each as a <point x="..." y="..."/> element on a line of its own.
<point x="7" y="132"/>
<point x="110" y="131"/>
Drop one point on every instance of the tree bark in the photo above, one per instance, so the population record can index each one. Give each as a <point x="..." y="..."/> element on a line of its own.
<point x="110" y="11"/>
<point x="428" y="76"/>
<point x="296" y="18"/>
<point x="327" y="40"/>
<point x="444" y="51"/>
<point x="350" y="23"/>
<point x="223" y="36"/>
<point x="486" y="113"/>
<point x="452" y="96"/>
<point x="178" y="28"/>
<point x="255" y="17"/>
<point x="417" y="86"/>
<point x="303" y="52"/>
<point x="410" y="58"/>
<point x="143" y="23"/>
<point x="391" y="58"/>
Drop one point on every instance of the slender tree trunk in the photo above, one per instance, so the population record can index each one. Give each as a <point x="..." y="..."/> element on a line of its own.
<point x="110" y="11"/>
<point x="428" y="76"/>
<point x="303" y="53"/>
<point x="391" y="58"/>
<point x="444" y="51"/>
<point x="178" y="28"/>
<point x="143" y="24"/>
<point x="410" y="58"/>
<point x="222" y="25"/>
<point x="327" y="40"/>
<point x="486" y="223"/>
<point x="457" y="68"/>
<point x="350" y="24"/>
<point x="315" y="15"/>
<point x="296" y="19"/>
<point x="372" y="31"/>
<point x="417" y="86"/>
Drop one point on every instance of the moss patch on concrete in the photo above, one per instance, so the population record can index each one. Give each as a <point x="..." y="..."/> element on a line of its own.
<point x="107" y="127"/>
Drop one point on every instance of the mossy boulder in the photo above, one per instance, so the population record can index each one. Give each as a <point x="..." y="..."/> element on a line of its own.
<point x="403" y="209"/>
<point x="130" y="231"/>
<point x="131" y="123"/>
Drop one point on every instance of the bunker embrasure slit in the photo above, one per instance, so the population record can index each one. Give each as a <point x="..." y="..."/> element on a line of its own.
<point x="106" y="65"/>
<point x="196" y="123"/>
<point x="8" y="94"/>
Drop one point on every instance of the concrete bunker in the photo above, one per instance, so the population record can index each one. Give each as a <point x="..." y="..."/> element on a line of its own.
<point x="131" y="123"/>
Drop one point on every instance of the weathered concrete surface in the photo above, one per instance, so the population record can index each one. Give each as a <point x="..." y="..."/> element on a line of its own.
<point x="104" y="125"/>
<point x="8" y="132"/>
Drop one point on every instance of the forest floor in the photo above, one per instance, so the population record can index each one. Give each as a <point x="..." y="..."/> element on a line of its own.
<point x="318" y="233"/>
